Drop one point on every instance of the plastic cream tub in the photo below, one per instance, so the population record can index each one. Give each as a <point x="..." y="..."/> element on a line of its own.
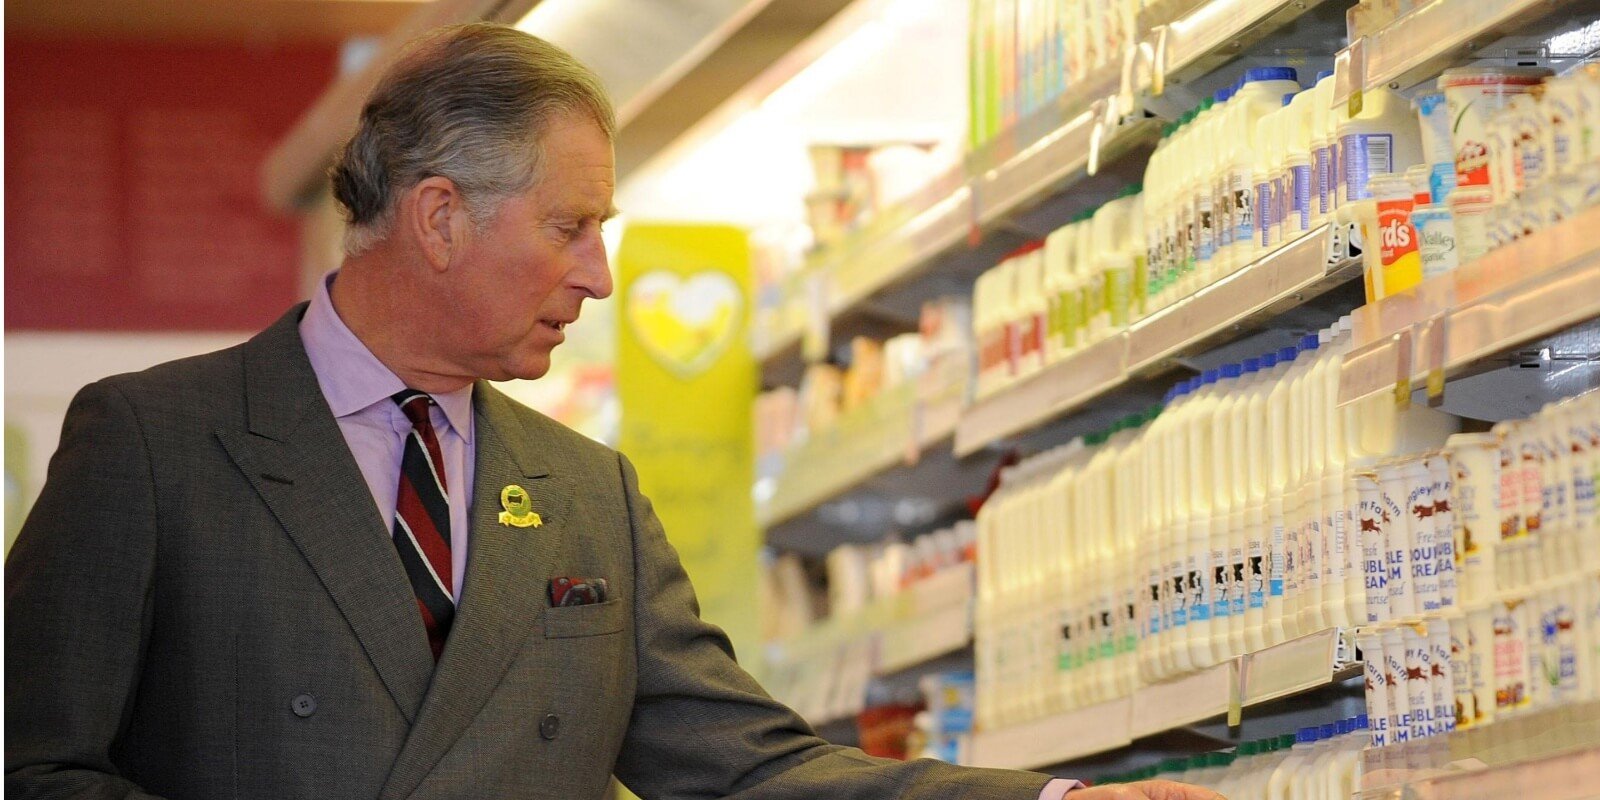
<point x="1472" y="96"/>
<point x="1436" y="239"/>
<point x="1438" y="153"/>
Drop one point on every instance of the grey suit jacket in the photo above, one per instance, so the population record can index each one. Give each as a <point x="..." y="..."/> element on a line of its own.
<point x="204" y="603"/>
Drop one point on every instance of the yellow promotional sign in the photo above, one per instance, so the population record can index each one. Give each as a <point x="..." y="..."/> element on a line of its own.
<point x="687" y="382"/>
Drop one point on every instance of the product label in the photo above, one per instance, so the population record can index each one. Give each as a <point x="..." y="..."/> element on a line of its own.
<point x="1204" y="231"/>
<point x="1177" y="598"/>
<point x="1153" y="615"/>
<point x="1377" y="699"/>
<point x="1401" y="717"/>
<point x="1264" y="200"/>
<point x="1321" y="179"/>
<point x="1197" y="592"/>
<point x="1510" y="657"/>
<point x="1365" y="155"/>
<point x="1222" y="211"/>
<point x="1244" y="208"/>
<point x="1276" y="558"/>
<point x="1221" y="601"/>
<point x="1298" y="213"/>
<point x="1397" y="246"/>
<point x="1436" y="240"/>
<point x="1255" y="570"/>
<point x="1236" y="581"/>
<point x="1374" y="568"/>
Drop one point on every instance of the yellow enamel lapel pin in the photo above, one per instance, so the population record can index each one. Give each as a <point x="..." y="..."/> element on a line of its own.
<point x="518" y="507"/>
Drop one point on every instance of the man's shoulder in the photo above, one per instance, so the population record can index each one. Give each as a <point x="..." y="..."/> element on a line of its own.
<point x="188" y="382"/>
<point x="559" y="442"/>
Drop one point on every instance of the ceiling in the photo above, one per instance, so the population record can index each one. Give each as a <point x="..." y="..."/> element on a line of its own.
<point x="208" y="20"/>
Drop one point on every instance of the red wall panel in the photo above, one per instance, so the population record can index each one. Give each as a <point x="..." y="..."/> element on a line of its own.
<point x="131" y="175"/>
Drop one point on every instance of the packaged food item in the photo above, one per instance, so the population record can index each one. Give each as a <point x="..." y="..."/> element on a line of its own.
<point x="1469" y="213"/>
<point x="1436" y="239"/>
<point x="1437" y="150"/>
<point x="1382" y="139"/>
<point x="1472" y="96"/>
<point x="1393" y="261"/>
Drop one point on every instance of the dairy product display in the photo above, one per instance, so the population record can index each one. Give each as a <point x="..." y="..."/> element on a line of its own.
<point x="1218" y="523"/>
<point x="1048" y="299"/>
<point x="1315" y="762"/>
<point x="1494" y="546"/>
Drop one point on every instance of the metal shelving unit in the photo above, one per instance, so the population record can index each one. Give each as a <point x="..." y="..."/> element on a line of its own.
<point x="1284" y="670"/>
<point x="1284" y="279"/>
<point x="1455" y="323"/>
<point x="1094" y="123"/>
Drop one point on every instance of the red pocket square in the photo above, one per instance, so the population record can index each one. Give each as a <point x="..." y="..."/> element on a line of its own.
<point x="566" y="591"/>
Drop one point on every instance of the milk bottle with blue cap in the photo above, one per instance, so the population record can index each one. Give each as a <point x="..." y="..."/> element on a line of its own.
<point x="1260" y="92"/>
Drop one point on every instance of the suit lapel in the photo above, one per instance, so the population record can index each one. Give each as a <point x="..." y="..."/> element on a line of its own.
<point x="508" y="569"/>
<point x="296" y="458"/>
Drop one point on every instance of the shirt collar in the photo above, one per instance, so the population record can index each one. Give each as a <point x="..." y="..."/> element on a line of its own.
<point x="351" y="377"/>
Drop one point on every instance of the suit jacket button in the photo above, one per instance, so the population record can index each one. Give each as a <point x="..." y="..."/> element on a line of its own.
<point x="304" y="706"/>
<point x="550" y="726"/>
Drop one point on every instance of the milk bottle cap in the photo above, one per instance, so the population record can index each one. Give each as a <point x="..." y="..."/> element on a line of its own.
<point x="1252" y="365"/>
<point x="1231" y="371"/>
<point x="1308" y="342"/>
<point x="1362" y="722"/>
<point x="1208" y="377"/>
<point x="1270" y="74"/>
<point x="1306" y="735"/>
<point x="1269" y="360"/>
<point x="1286" y="354"/>
<point x="1326" y="731"/>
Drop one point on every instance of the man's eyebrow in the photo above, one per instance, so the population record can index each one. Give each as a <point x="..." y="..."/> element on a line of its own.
<point x="610" y="214"/>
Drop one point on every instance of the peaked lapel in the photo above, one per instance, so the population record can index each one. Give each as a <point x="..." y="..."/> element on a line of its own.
<point x="504" y="592"/>
<point x="295" y="456"/>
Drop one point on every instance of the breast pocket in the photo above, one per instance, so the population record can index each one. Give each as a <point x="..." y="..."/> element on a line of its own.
<point x="595" y="619"/>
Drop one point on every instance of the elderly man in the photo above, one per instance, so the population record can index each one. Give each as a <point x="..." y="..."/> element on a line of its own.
<point x="333" y="562"/>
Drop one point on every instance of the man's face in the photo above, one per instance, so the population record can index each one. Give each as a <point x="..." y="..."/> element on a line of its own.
<point x="528" y="270"/>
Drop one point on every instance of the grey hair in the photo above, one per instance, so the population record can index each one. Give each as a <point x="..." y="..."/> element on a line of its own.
<point x="469" y="103"/>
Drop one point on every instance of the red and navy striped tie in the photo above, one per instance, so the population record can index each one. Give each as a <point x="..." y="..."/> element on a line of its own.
<point x="422" y="520"/>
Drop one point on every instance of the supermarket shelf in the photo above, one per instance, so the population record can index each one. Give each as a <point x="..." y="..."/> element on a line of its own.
<point x="1432" y="37"/>
<point x="893" y="428"/>
<point x="1211" y="33"/>
<point x="1278" y="282"/>
<point x="1055" y="390"/>
<point x="1553" y="754"/>
<point x="1290" y="668"/>
<point x="1055" y="148"/>
<point x="823" y="674"/>
<point x="1282" y="280"/>
<point x="1452" y="323"/>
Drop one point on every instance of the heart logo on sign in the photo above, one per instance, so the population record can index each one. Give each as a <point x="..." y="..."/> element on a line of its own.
<point x="684" y="323"/>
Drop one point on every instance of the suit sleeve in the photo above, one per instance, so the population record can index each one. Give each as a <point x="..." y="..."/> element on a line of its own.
<point x="78" y="606"/>
<point x="703" y="728"/>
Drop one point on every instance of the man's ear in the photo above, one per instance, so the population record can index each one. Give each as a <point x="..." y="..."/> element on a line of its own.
<point x="434" y="215"/>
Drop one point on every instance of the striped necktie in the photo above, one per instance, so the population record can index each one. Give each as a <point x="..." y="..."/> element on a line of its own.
<point x="422" y="520"/>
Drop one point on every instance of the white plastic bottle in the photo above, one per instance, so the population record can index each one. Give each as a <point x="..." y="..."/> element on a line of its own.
<point x="1197" y="424"/>
<point x="1298" y="164"/>
<point x="1282" y="609"/>
<point x="1223" y="144"/>
<point x="1230" y="443"/>
<point x="1258" y="550"/>
<point x="1382" y="139"/>
<point x="1323" y="143"/>
<point x="1304" y="444"/>
<point x="1281" y="785"/>
<point x="1260" y="93"/>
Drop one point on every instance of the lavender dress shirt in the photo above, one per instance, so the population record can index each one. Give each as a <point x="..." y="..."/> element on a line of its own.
<point x="358" y="388"/>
